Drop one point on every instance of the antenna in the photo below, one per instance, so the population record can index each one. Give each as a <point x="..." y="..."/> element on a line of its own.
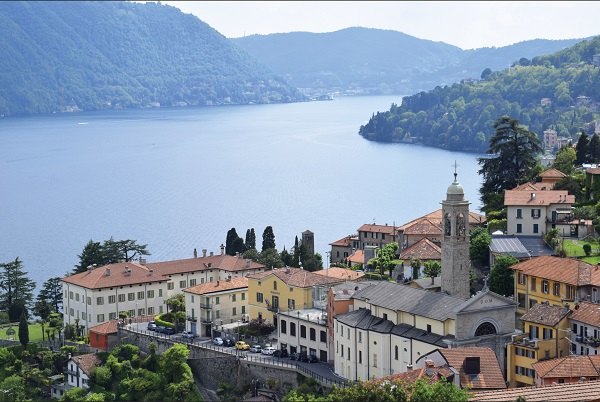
<point x="455" y="166"/>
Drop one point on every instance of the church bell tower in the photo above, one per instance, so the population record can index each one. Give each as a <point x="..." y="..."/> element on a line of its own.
<point x="456" y="263"/>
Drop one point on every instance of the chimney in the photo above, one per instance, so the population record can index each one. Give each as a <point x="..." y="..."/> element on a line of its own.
<point x="237" y="254"/>
<point x="429" y="368"/>
<point x="533" y="196"/>
<point x="229" y="278"/>
<point x="107" y="271"/>
<point x="222" y="249"/>
<point x="150" y="272"/>
<point x="142" y="261"/>
<point x="248" y="263"/>
<point x="203" y="252"/>
<point x="195" y="253"/>
<point x="211" y="254"/>
<point x="217" y="285"/>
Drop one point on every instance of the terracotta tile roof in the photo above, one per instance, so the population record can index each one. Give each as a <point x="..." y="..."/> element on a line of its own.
<point x="545" y="314"/>
<point x="218" y="286"/>
<point x="595" y="170"/>
<point x="532" y="186"/>
<point x="474" y="217"/>
<point x="431" y="224"/>
<point x="424" y="249"/>
<point x="296" y="277"/>
<point x="541" y="198"/>
<point x="109" y="327"/>
<point x="114" y="275"/>
<point x="565" y="270"/>
<point x="569" y="367"/>
<point x="358" y="257"/>
<point x="340" y="273"/>
<point x="387" y="229"/>
<point x="552" y="174"/>
<point x="223" y="262"/>
<point x="345" y="242"/>
<point x="587" y="312"/>
<point x="581" y="392"/>
<point x="490" y="375"/>
<point x="417" y="374"/>
<point x="86" y="362"/>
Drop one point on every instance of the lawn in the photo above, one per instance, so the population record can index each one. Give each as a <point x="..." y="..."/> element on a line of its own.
<point x="574" y="248"/>
<point x="35" y="331"/>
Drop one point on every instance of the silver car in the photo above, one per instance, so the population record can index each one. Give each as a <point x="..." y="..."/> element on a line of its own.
<point x="218" y="341"/>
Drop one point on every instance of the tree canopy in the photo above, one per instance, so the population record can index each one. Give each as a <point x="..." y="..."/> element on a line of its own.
<point x="17" y="289"/>
<point x="268" y="238"/>
<point x="109" y="252"/>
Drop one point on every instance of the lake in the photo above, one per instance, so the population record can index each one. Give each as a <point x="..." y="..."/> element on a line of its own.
<point x="179" y="179"/>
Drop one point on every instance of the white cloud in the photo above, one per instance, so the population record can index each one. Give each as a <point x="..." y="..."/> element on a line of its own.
<point x="462" y="23"/>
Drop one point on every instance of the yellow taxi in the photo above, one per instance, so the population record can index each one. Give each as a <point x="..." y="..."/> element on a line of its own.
<point x="241" y="345"/>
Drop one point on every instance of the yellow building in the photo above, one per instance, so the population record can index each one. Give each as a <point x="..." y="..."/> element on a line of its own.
<point x="555" y="280"/>
<point x="283" y="289"/>
<point x="545" y="337"/>
<point x="213" y="304"/>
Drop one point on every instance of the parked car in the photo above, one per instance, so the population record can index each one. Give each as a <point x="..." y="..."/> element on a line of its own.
<point x="281" y="353"/>
<point x="218" y="341"/>
<point x="255" y="349"/>
<point x="169" y="331"/>
<point x="151" y="326"/>
<point x="241" y="345"/>
<point x="269" y="350"/>
<point x="303" y="357"/>
<point x="228" y="342"/>
<point x="188" y="334"/>
<point x="160" y="329"/>
<point x="294" y="356"/>
<point x="313" y="359"/>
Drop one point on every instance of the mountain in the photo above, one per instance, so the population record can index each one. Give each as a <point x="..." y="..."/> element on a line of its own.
<point x="560" y="91"/>
<point x="68" y="56"/>
<point x="374" y="61"/>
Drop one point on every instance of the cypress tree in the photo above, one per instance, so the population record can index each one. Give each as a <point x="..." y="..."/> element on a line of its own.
<point x="268" y="239"/>
<point x="23" y="331"/>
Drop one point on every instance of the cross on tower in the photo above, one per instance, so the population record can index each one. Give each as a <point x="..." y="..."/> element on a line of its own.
<point x="455" y="166"/>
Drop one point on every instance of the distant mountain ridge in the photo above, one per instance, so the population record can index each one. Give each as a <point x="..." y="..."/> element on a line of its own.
<point x="374" y="61"/>
<point x="69" y="56"/>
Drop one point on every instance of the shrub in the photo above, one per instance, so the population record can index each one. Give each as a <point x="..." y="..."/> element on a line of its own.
<point x="159" y="320"/>
<point x="587" y="249"/>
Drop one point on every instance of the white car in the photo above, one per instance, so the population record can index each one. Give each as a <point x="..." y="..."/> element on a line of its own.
<point x="268" y="350"/>
<point x="188" y="334"/>
<point x="218" y="341"/>
<point x="255" y="348"/>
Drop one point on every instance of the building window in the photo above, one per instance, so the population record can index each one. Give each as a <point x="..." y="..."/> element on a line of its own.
<point x="292" y="328"/>
<point x="112" y="316"/>
<point x="192" y="282"/>
<point x="83" y="315"/>
<point x="535" y="213"/>
<point x="70" y="295"/>
<point x="283" y="324"/>
<point x="275" y="302"/>
<point x="570" y="292"/>
<point x="131" y="313"/>
<point x="218" y="314"/>
<point x="385" y="316"/>
<point x="313" y="334"/>
<point x="519" y="213"/>
<point x="428" y="328"/>
<point x="141" y="311"/>
<point x="359" y="337"/>
<point x="259" y="297"/>
<point x="532" y="302"/>
<point x="323" y="336"/>
<point x="159" y="292"/>
<point x="131" y="296"/>
<point x="217" y="300"/>
<point x="234" y="311"/>
<point x="521" y="278"/>
<point x="374" y="359"/>
<point x="556" y="289"/>
<point x="141" y="295"/>
<point x="150" y="310"/>
<point x="360" y="356"/>
<point x="534" y="332"/>
<point x="291" y="304"/>
<point x="243" y="296"/>
<point x="122" y="298"/>
<point x="89" y="300"/>
<point x="71" y="312"/>
<point x="302" y="331"/>
<point x="274" y="285"/>
<point x="532" y="282"/>
<point x="182" y="284"/>
<point x="76" y="296"/>
<point x="396" y="352"/>
<point x="342" y="349"/>
<point x="100" y="318"/>
<point x="112" y="299"/>
<point x="536" y="228"/>
<point x="233" y="297"/>
<point x="348" y="353"/>
<point x="150" y="294"/>
<point x="547" y="333"/>
<point x="519" y="228"/>
<point x="243" y="309"/>
<point x="521" y="299"/>
<point x="170" y="286"/>
<point x="545" y="286"/>
<point x="100" y="300"/>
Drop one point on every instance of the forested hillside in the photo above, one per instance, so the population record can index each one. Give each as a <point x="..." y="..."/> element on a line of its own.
<point x="460" y="116"/>
<point x="68" y="56"/>
<point x="375" y="61"/>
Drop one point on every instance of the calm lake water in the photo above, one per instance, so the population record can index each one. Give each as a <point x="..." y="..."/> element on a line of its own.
<point x="179" y="179"/>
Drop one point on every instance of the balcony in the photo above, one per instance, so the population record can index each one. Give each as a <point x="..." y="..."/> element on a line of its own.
<point x="206" y="306"/>
<point x="192" y="318"/>
<point x="207" y="320"/>
<point x="272" y="308"/>
<point x="524" y="341"/>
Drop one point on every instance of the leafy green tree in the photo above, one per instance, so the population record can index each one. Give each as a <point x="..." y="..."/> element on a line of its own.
<point x="485" y="74"/>
<point x="432" y="269"/>
<point x="51" y="293"/>
<point x="268" y="238"/>
<point x="13" y="389"/>
<point x="270" y="258"/>
<point x="313" y="263"/>
<point x="175" y="373"/>
<point x="92" y="254"/>
<point x="594" y="149"/>
<point x="109" y="252"/>
<point x="501" y="276"/>
<point x="565" y="160"/>
<point x="286" y="257"/>
<point x="75" y="394"/>
<point x="23" y="331"/>
<point x="514" y="150"/>
<point x="479" y="246"/>
<point x="252" y="254"/>
<point x="17" y="289"/>
<point x="384" y="261"/>
<point x="176" y="303"/>
<point x="42" y="309"/>
<point x="250" y="239"/>
<point x="415" y="264"/>
<point x="581" y="149"/>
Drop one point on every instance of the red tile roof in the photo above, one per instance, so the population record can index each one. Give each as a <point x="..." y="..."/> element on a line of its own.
<point x="582" y="392"/>
<point x="424" y="249"/>
<point x="593" y="170"/>
<point x="569" y="367"/>
<point x="541" y="198"/>
<point x="565" y="270"/>
<point x="358" y="257"/>
<point x="340" y="273"/>
<point x="587" y="312"/>
<point x="296" y="277"/>
<point x="345" y="242"/>
<point x="431" y="224"/>
<point x="223" y="262"/>
<point x="109" y="327"/>
<point x="531" y="186"/>
<point x="114" y="275"/>
<point x="86" y="362"/>
<point x="378" y="229"/>
<point x="545" y="314"/>
<point x="218" y="286"/>
<point x="490" y="375"/>
<point x="552" y="174"/>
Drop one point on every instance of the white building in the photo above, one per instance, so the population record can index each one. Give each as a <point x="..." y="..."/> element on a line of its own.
<point x="304" y="331"/>
<point x="79" y="369"/>
<point x="585" y="328"/>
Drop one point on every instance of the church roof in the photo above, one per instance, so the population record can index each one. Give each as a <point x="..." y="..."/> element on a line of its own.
<point x="424" y="249"/>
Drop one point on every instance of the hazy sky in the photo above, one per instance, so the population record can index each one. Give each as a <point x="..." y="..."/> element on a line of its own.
<point x="464" y="24"/>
